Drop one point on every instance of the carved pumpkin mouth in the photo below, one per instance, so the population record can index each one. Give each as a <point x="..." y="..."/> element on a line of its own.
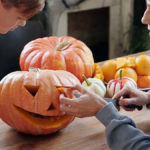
<point x="43" y="121"/>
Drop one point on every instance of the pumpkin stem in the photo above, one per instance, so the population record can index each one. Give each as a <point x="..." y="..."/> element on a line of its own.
<point x="86" y="80"/>
<point x="121" y="74"/>
<point x="32" y="69"/>
<point x="62" y="45"/>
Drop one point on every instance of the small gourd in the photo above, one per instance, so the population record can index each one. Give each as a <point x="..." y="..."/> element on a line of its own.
<point x="116" y="85"/>
<point x="95" y="85"/>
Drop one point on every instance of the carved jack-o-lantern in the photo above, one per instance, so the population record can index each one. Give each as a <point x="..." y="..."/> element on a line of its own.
<point x="29" y="101"/>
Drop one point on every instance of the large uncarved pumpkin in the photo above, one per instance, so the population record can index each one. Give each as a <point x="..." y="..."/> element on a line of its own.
<point x="58" y="53"/>
<point x="29" y="101"/>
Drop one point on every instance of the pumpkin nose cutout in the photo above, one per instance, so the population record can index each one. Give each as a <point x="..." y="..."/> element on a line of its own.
<point x="51" y="107"/>
<point x="32" y="89"/>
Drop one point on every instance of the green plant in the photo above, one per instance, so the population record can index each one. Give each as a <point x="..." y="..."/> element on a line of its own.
<point x="140" y="40"/>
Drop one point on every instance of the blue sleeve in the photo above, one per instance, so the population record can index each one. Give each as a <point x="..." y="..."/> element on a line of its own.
<point x="121" y="131"/>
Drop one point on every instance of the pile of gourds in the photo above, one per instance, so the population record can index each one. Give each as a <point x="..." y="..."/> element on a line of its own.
<point x="136" y="68"/>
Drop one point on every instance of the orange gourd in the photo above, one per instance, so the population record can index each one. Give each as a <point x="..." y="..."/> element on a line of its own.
<point x="127" y="72"/>
<point x="109" y="69"/>
<point x="98" y="72"/>
<point x="29" y="101"/>
<point x="143" y="65"/>
<point x="143" y="81"/>
<point x="58" y="53"/>
<point x="123" y="62"/>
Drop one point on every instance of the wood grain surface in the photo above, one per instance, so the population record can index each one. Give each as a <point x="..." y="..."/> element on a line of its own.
<point x="81" y="134"/>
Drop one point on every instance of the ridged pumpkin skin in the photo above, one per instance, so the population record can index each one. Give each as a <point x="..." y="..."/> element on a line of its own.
<point x="58" y="53"/>
<point x="29" y="101"/>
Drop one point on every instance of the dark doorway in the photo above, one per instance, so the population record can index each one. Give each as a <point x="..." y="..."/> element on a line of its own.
<point x="91" y="27"/>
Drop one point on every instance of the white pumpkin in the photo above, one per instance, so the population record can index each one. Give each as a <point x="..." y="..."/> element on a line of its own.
<point x="95" y="85"/>
<point x="116" y="85"/>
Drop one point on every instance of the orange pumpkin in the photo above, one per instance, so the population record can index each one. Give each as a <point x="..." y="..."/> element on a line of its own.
<point x="123" y="62"/>
<point x="127" y="72"/>
<point x="143" y="81"/>
<point x="98" y="72"/>
<point x="29" y="101"/>
<point x="143" y="65"/>
<point x="109" y="70"/>
<point x="58" y="53"/>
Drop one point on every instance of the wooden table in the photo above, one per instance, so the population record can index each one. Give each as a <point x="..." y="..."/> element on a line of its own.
<point x="81" y="134"/>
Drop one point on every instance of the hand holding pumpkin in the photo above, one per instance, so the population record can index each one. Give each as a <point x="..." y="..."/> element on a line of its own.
<point x="130" y="95"/>
<point x="88" y="104"/>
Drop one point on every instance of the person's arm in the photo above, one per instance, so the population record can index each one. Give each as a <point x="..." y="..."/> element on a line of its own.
<point x="121" y="131"/>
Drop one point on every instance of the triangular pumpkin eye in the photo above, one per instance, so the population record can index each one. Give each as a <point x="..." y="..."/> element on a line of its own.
<point x="51" y="107"/>
<point x="32" y="89"/>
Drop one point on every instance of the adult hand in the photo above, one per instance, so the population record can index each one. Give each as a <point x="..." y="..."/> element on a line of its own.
<point x="88" y="104"/>
<point x="129" y="95"/>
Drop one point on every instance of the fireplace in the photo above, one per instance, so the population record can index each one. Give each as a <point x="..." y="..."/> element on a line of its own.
<point x="102" y="24"/>
<point x="91" y="27"/>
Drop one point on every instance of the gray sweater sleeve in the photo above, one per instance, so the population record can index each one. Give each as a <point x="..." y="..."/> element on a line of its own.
<point x="121" y="131"/>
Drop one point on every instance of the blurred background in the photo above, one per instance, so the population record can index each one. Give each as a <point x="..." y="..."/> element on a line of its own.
<point x="110" y="28"/>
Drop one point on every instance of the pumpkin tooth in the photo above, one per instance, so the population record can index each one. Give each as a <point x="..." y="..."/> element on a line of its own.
<point x="32" y="89"/>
